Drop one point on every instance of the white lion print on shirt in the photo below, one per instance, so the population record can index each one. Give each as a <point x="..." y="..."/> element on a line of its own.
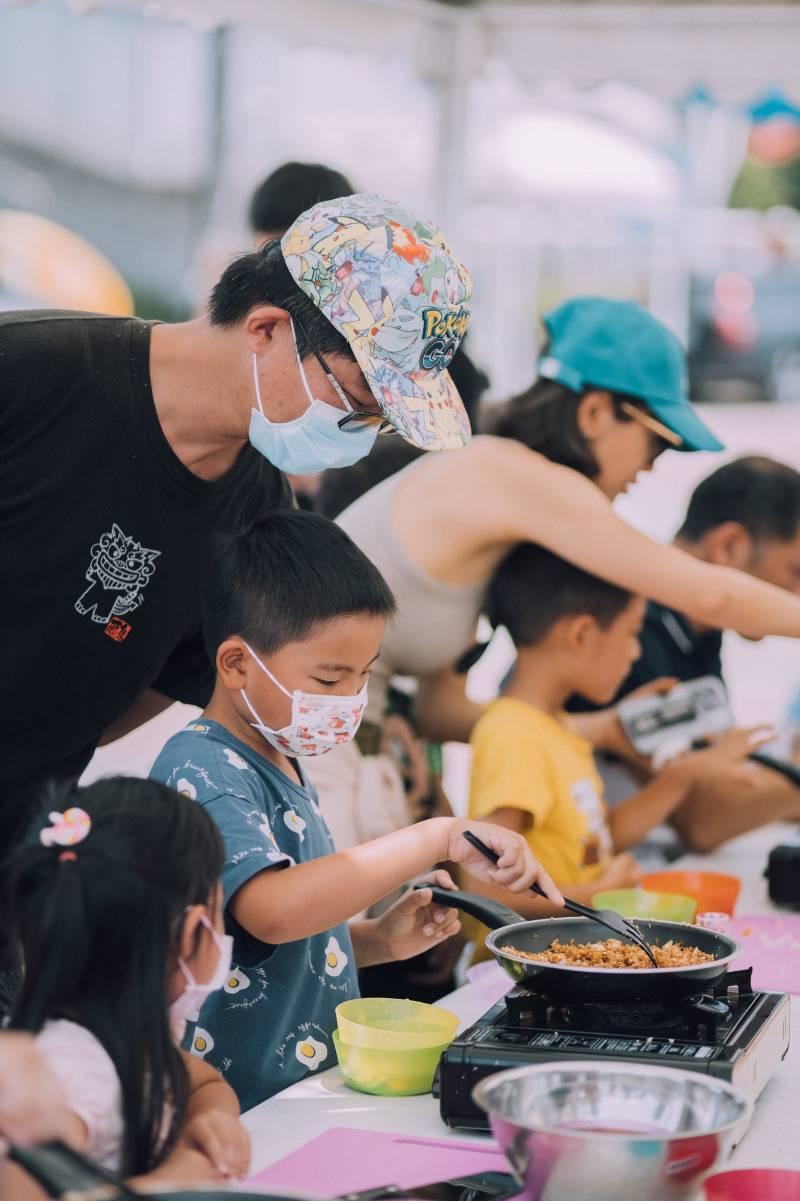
<point x="119" y="570"/>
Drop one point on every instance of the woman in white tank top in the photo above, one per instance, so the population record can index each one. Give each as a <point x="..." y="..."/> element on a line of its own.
<point x="610" y="398"/>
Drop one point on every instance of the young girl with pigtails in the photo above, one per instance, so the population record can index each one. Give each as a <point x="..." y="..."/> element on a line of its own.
<point x="115" y="906"/>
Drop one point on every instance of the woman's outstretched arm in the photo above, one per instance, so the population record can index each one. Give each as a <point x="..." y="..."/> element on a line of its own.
<point x="497" y="492"/>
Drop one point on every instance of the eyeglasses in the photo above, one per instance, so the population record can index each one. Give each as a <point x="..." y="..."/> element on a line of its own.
<point x="360" y="421"/>
<point x="656" y="427"/>
<point x="355" y="419"/>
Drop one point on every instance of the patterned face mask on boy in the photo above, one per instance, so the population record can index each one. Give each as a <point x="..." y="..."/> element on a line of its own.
<point x="319" y="722"/>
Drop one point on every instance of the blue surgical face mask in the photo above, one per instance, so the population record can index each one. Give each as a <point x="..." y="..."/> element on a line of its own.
<point x="313" y="441"/>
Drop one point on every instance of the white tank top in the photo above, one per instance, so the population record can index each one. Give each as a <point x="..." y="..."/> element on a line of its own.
<point x="435" y="622"/>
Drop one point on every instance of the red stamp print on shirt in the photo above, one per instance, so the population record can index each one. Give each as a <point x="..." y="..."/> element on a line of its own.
<point x="118" y="629"/>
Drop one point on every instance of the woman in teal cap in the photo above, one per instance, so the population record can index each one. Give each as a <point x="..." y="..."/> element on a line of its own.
<point x="610" y="397"/>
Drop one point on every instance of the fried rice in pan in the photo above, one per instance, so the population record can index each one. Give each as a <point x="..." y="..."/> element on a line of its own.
<point x="613" y="953"/>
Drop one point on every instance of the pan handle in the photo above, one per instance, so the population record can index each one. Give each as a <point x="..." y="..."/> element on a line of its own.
<point x="62" y="1172"/>
<point x="789" y="770"/>
<point x="783" y="767"/>
<point x="489" y="912"/>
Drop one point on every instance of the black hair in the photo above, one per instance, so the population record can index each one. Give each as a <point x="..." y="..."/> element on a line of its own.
<point x="262" y="277"/>
<point x="759" y="493"/>
<point x="470" y="380"/>
<point x="290" y="190"/>
<point x="342" y="486"/>
<point x="545" y="418"/>
<point x="277" y="578"/>
<point x="533" y="589"/>
<point x="98" y="924"/>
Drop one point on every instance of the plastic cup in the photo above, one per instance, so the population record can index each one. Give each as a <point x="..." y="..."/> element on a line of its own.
<point x="713" y="891"/>
<point x="713" y="921"/>
<point x="754" y="1184"/>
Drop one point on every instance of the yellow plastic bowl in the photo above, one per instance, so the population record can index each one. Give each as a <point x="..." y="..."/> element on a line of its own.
<point x="388" y="1073"/>
<point x="639" y="902"/>
<point x="386" y="1024"/>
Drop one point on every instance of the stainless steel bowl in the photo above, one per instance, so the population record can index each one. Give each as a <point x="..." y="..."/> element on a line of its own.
<point x="609" y="1132"/>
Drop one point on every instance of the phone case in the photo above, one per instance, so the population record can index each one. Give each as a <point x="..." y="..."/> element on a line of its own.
<point x="690" y="711"/>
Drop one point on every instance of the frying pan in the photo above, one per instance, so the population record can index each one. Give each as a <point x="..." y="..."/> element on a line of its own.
<point x="563" y="982"/>
<point x="68" y="1176"/>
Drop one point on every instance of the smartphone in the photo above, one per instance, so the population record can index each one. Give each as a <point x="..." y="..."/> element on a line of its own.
<point x="483" y="1186"/>
<point x="691" y="710"/>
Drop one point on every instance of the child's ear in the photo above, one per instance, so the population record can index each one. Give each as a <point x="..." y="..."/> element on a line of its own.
<point x="232" y="659"/>
<point x="580" y="632"/>
<point x="190" y="933"/>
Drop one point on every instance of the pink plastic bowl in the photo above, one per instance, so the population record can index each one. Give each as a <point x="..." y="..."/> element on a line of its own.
<point x="754" y="1184"/>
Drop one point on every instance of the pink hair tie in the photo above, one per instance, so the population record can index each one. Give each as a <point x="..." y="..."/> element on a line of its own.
<point x="66" y="856"/>
<point x="66" y="829"/>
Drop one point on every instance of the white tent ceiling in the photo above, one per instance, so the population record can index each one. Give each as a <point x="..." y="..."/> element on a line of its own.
<point x="730" y="48"/>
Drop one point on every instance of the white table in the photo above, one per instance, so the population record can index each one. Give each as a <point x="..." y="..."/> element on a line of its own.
<point x="318" y="1103"/>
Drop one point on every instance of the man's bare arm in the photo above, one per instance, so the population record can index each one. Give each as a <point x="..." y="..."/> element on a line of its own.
<point x="145" y="707"/>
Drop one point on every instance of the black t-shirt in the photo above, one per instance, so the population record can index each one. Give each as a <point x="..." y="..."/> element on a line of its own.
<point x="669" y="648"/>
<point x="104" y="542"/>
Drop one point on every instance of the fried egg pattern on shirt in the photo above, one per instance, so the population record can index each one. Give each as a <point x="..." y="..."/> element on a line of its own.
<point x="311" y="1053"/>
<point x="235" y="759"/>
<point x="335" y="959"/>
<point x="274" y="854"/>
<point x="294" y="822"/>
<point x="202" y="1043"/>
<point x="237" y="981"/>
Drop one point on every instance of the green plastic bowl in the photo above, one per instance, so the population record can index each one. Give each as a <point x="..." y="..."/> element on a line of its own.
<point x="388" y="1073"/>
<point x="386" y="1024"/>
<point x="638" y="902"/>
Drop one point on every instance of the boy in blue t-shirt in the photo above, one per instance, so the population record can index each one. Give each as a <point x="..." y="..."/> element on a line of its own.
<point x="294" y="617"/>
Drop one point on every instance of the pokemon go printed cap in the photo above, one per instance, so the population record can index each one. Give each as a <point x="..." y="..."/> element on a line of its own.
<point x="388" y="281"/>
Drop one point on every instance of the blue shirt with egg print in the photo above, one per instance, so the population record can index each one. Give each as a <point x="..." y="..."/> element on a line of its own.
<point x="271" y="1024"/>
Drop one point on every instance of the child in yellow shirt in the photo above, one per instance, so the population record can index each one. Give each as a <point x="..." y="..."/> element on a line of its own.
<point x="531" y="772"/>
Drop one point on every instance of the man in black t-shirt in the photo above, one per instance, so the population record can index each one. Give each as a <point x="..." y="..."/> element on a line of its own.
<point x="125" y="446"/>
<point x="745" y="515"/>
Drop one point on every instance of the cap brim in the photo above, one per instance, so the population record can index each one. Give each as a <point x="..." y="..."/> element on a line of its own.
<point x="694" y="433"/>
<point x="425" y="410"/>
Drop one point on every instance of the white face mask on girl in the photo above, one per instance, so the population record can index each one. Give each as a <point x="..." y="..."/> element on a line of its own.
<point x="187" y="1006"/>
<point x="319" y="722"/>
<point x="313" y="441"/>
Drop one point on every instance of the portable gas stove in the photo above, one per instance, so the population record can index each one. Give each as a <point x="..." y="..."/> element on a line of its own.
<point x="738" y="1035"/>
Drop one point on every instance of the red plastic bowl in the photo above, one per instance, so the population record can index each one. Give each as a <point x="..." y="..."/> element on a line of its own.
<point x="754" y="1184"/>
<point x="713" y="891"/>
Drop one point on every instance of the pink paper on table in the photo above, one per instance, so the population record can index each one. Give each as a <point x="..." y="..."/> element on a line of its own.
<point x="346" y="1161"/>
<point x="771" y="946"/>
<point x="489" y="980"/>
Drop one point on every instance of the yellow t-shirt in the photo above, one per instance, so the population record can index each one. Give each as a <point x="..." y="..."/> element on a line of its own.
<point x="525" y="759"/>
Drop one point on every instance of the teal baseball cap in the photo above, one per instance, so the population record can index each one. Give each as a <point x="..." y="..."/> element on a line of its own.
<point x="617" y="345"/>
